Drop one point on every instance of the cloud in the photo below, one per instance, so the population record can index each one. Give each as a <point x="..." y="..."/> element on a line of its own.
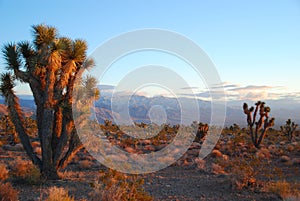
<point x="189" y="88"/>
<point x="250" y="88"/>
<point x="225" y="85"/>
<point x="232" y="91"/>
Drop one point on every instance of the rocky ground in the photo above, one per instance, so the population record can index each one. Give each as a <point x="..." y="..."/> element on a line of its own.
<point x="235" y="170"/>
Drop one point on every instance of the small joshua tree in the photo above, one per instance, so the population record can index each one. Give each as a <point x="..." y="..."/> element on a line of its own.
<point x="258" y="129"/>
<point x="201" y="132"/>
<point x="235" y="128"/>
<point x="289" y="129"/>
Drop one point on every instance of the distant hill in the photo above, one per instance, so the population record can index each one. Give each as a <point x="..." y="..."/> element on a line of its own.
<point x="140" y="107"/>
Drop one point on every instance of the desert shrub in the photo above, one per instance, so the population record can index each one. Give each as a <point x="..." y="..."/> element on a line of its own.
<point x="116" y="186"/>
<point x="25" y="171"/>
<point x="285" y="190"/>
<point x="246" y="172"/>
<point x="243" y="174"/>
<point x="7" y="192"/>
<point x="3" y="172"/>
<point x="58" y="194"/>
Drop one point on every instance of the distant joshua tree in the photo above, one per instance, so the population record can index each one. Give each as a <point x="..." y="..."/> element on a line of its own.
<point x="201" y="132"/>
<point x="289" y="129"/>
<point x="141" y="125"/>
<point x="51" y="66"/>
<point x="258" y="132"/>
<point x="107" y="122"/>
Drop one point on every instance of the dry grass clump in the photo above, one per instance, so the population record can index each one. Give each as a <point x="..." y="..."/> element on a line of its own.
<point x="116" y="186"/>
<point x="243" y="171"/>
<point x="285" y="190"/>
<point x="25" y="171"/>
<point x="7" y="192"/>
<point x="58" y="194"/>
<point x="3" y="172"/>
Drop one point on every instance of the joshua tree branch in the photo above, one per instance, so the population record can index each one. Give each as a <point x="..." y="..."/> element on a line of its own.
<point x="17" y="119"/>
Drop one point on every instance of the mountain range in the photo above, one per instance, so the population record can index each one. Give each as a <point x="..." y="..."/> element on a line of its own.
<point x="161" y="109"/>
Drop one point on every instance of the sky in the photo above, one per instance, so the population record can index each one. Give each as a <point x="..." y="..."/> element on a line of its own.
<point x="254" y="45"/>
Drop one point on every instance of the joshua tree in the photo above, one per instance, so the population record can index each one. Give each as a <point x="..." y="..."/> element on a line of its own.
<point x="201" y="132"/>
<point x="141" y="125"/>
<point x="51" y="66"/>
<point x="262" y="125"/>
<point x="235" y="128"/>
<point x="289" y="129"/>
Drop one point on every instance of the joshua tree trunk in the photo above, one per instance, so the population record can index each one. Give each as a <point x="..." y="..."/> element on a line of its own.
<point x="52" y="64"/>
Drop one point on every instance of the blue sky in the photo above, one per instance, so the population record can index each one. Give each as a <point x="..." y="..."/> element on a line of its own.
<point x="255" y="45"/>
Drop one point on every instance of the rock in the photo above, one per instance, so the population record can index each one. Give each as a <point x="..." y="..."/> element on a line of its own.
<point x="284" y="159"/>
<point x="35" y="144"/>
<point x="217" y="147"/>
<point x="263" y="153"/>
<point x="290" y="148"/>
<point x="129" y="150"/>
<point x="241" y="144"/>
<point x="282" y="143"/>
<point x="294" y="143"/>
<point x="149" y="148"/>
<point x="225" y="157"/>
<point x="244" y="149"/>
<point x="186" y="162"/>
<point x="296" y="161"/>
<point x="272" y="149"/>
<point x="217" y="169"/>
<point x="147" y="142"/>
<point x="200" y="163"/>
<point x="37" y="150"/>
<point x="216" y="153"/>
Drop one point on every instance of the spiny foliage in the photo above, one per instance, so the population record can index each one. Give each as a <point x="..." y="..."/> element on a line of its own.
<point x="52" y="66"/>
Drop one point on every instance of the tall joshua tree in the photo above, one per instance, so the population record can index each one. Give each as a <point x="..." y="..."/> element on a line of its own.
<point x="50" y="65"/>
